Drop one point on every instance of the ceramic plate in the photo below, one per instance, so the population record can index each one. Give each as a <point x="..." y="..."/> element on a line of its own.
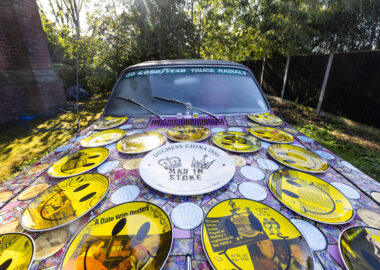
<point x="16" y="251"/>
<point x="187" y="168"/>
<point x="78" y="162"/>
<point x="140" y="142"/>
<point x="135" y="235"/>
<point x="110" y="122"/>
<point x="244" y="234"/>
<point x="298" y="158"/>
<point x="64" y="202"/>
<point x="271" y="134"/>
<point x="310" y="197"/>
<point x="103" y="138"/>
<point x="188" y="133"/>
<point x="238" y="142"/>
<point x="267" y="119"/>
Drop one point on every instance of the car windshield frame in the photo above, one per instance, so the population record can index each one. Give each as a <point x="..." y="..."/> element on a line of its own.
<point x="180" y="108"/>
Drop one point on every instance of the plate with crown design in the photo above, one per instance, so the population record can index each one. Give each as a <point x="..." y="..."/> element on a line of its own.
<point x="187" y="168"/>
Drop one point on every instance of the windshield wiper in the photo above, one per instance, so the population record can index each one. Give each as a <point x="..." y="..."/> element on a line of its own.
<point x="142" y="106"/>
<point x="188" y="106"/>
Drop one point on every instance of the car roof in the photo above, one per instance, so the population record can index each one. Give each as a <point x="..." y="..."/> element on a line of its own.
<point x="185" y="62"/>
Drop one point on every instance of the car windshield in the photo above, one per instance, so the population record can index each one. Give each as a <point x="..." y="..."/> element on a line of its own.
<point x="214" y="89"/>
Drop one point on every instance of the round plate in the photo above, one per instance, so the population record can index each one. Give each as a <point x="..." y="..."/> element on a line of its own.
<point x="187" y="216"/>
<point x="103" y="138"/>
<point x="188" y="133"/>
<point x="49" y="243"/>
<point x="16" y="251"/>
<point x="267" y="119"/>
<point x="135" y="235"/>
<point x="310" y="197"/>
<point x="187" y="168"/>
<point x="270" y="134"/>
<point x="78" y="162"/>
<point x="64" y="202"/>
<point x="244" y="234"/>
<point x="371" y="218"/>
<point x="110" y="122"/>
<point x="359" y="247"/>
<point x="32" y="192"/>
<point x="238" y="142"/>
<point x="140" y="142"/>
<point x="298" y="158"/>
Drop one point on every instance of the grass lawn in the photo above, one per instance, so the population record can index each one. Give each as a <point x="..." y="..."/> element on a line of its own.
<point x="21" y="147"/>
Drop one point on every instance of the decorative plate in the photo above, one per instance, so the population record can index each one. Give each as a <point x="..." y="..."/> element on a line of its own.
<point x="16" y="251"/>
<point x="270" y="134"/>
<point x="140" y="142"/>
<point x="187" y="168"/>
<point x="103" y="138"/>
<point x="78" y="162"/>
<point x="64" y="202"/>
<point x="134" y="235"/>
<point x="267" y="119"/>
<point x="244" y="234"/>
<point x="359" y="248"/>
<point x="110" y="122"/>
<point x="49" y="243"/>
<point x="32" y="192"/>
<point x="310" y="197"/>
<point x="188" y="133"/>
<point x="298" y="158"/>
<point x="238" y="142"/>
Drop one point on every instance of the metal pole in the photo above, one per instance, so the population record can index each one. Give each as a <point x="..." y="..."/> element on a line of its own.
<point x="325" y="80"/>
<point x="77" y="67"/>
<point x="262" y="73"/>
<point x="285" y="78"/>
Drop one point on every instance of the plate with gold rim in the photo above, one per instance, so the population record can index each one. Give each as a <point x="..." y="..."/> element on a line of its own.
<point x="270" y="134"/>
<point x="310" y="197"/>
<point x="110" y="122"/>
<point x="188" y="133"/>
<point x="238" y="142"/>
<point x="140" y="142"/>
<point x="298" y="158"/>
<point x="245" y="234"/>
<point x="134" y="235"/>
<point x="16" y="251"/>
<point x="78" y="162"/>
<point x="267" y="119"/>
<point x="102" y="138"/>
<point x="64" y="202"/>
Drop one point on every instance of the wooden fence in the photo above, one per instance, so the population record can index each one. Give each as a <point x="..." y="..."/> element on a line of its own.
<point x="344" y="84"/>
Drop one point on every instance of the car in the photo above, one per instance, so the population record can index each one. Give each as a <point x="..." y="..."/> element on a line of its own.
<point x="188" y="168"/>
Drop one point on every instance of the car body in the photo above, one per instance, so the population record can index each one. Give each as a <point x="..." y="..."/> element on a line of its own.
<point x="251" y="168"/>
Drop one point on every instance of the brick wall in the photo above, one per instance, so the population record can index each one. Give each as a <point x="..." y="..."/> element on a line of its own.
<point x="28" y="84"/>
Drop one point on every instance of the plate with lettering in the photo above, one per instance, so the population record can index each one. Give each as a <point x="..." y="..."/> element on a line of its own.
<point x="267" y="119"/>
<point x="64" y="202"/>
<point x="110" y="122"/>
<point x="134" y="235"/>
<point x="103" y="138"/>
<point x="188" y="133"/>
<point x="16" y="251"/>
<point x="245" y="234"/>
<point x="270" y="134"/>
<point x="298" y="158"/>
<point x="78" y="162"/>
<point x="140" y="142"/>
<point x="238" y="142"/>
<point x="310" y="197"/>
<point x="187" y="168"/>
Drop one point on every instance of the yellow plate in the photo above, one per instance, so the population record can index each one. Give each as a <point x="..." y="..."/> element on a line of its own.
<point x="110" y="122"/>
<point x="135" y="235"/>
<point x="267" y="119"/>
<point x="238" y="142"/>
<point x="298" y="158"/>
<point x="188" y="133"/>
<point x="273" y="135"/>
<point x="78" y="162"/>
<point x="244" y="234"/>
<point x="359" y="248"/>
<point x="140" y="142"/>
<point x="16" y="251"/>
<point x="103" y="138"/>
<point x="64" y="202"/>
<point x="310" y="197"/>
